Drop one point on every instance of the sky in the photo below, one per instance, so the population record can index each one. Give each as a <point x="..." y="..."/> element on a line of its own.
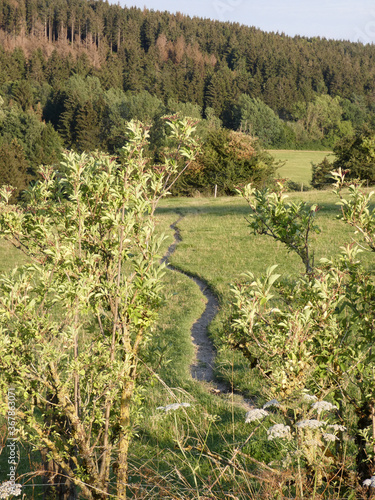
<point x="352" y="20"/>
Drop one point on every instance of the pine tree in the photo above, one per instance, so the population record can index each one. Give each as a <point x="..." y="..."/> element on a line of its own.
<point x="87" y="129"/>
<point x="14" y="169"/>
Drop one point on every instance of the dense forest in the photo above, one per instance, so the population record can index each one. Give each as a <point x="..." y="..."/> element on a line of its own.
<point x="73" y="72"/>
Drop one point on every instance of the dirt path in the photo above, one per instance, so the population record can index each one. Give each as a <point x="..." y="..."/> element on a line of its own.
<point x="202" y="368"/>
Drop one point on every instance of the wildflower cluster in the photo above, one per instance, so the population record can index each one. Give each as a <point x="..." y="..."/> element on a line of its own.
<point x="323" y="406"/>
<point x="337" y="427"/>
<point x="310" y="423"/>
<point x="9" y="488"/>
<point x="329" y="436"/>
<point x="307" y="398"/>
<point x="326" y="431"/>
<point x="255" y="414"/>
<point x="279" y="431"/>
<point x="173" y="406"/>
<point x="273" y="402"/>
<point x="369" y="482"/>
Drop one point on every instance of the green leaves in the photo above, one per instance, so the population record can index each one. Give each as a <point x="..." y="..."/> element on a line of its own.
<point x="317" y="332"/>
<point x="291" y="223"/>
<point x="357" y="209"/>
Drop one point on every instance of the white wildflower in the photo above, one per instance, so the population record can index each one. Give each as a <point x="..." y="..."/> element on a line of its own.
<point x="278" y="431"/>
<point x="311" y="424"/>
<point x="369" y="482"/>
<point x="173" y="406"/>
<point x="309" y="397"/>
<point x="330" y="437"/>
<point x="9" y="488"/>
<point x="337" y="427"/>
<point x="323" y="406"/>
<point x="255" y="414"/>
<point x="273" y="402"/>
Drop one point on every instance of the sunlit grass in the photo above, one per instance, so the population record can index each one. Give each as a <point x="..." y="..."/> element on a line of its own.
<point x="298" y="164"/>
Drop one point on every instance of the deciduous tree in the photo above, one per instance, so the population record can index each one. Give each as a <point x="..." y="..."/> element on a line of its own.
<point x="316" y="333"/>
<point x="74" y="320"/>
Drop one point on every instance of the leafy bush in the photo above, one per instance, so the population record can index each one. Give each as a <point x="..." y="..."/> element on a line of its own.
<point x="74" y="321"/>
<point x="228" y="159"/>
<point x="316" y="333"/>
<point x="256" y="118"/>
<point x="356" y="155"/>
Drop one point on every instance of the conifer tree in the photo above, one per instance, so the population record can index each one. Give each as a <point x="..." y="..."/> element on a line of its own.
<point x="14" y="169"/>
<point x="87" y="129"/>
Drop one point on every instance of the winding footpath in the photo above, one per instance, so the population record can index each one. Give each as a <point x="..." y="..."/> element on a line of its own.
<point x="202" y="368"/>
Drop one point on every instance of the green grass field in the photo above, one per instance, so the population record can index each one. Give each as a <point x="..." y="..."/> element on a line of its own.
<point x="218" y="247"/>
<point x="297" y="164"/>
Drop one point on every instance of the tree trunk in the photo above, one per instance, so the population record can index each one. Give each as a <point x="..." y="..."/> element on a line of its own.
<point x="124" y="441"/>
<point x="72" y="34"/>
<point x="49" y="29"/>
<point x="58" y="486"/>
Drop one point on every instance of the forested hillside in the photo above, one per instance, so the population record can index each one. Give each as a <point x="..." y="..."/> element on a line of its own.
<point x="72" y="72"/>
<point x="209" y="63"/>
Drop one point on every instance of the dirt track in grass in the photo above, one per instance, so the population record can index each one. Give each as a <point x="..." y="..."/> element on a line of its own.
<point x="202" y="368"/>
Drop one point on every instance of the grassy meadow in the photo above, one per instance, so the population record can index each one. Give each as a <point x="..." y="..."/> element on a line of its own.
<point x="217" y="246"/>
<point x="190" y="453"/>
<point x="296" y="165"/>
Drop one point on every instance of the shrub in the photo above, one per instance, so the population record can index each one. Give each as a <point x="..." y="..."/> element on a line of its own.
<point x="228" y="159"/>
<point x="356" y="155"/>
<point x="317" y="332"/>
<point x="75" y="319"/>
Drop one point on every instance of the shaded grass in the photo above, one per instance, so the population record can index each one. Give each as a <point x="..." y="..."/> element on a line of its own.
<point x="10" y="257"/>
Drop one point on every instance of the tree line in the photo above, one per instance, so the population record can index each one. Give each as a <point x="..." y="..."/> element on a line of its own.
<point x="197" y="60"/>
<point x="83" y="68"/>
